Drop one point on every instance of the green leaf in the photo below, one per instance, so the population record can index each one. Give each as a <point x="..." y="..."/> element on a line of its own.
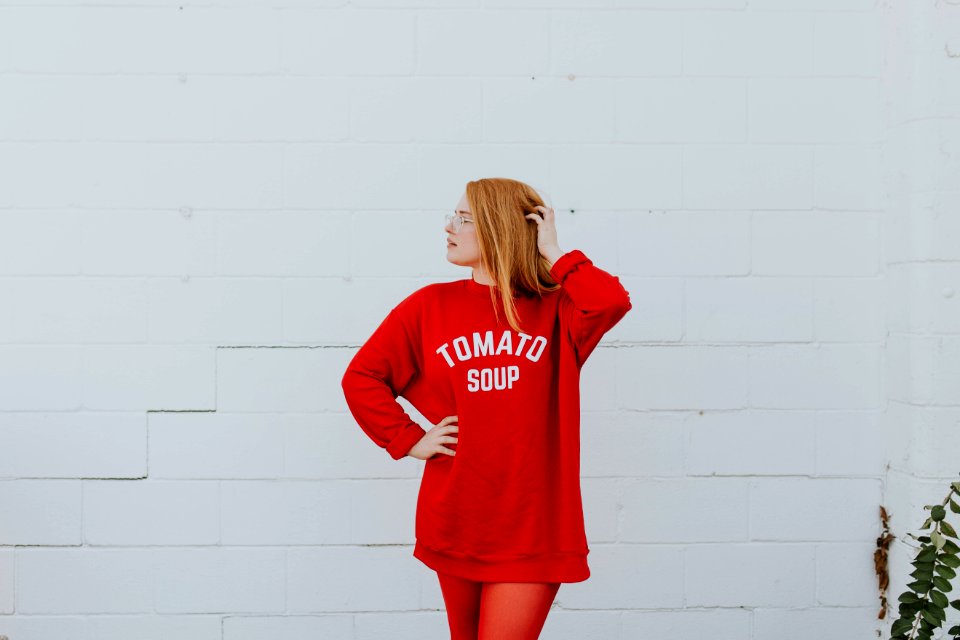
<point x="920" y="586"/>
<point x="939" y="599"/>
<point x="922" y="573"/>
<point x="901" y="625"/>
<point x="955" y="604"/>
<point x="909" y="609"/>
<point x="935" y="611"/>
<point x="942" y="584"/>
<point x="926" y="523"/>
<point x="947" y="529"/>
<point x="951" y="547"/>
<point x="925" y="565"/>
<point x="908" y="596"/>
<point x="926" y="554"/>
<point x="954" y="506"/>
<point x="946" y="571"/>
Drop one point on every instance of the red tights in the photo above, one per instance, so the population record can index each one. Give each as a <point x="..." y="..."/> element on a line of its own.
<point x="496" y="610"/>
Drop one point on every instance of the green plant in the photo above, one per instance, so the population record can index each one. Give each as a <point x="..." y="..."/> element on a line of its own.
<point x="923" y="607"/>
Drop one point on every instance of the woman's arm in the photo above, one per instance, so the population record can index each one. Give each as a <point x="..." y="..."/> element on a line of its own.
<point x="379" y="372"/>
<point x="595" y="300"/>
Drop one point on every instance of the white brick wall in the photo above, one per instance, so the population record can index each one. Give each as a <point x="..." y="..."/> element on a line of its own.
<point x="206" y="207"/>
<point x="921" y="159"/>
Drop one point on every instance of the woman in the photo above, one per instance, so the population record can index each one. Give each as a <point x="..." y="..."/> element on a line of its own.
<point x="493" y="360"/>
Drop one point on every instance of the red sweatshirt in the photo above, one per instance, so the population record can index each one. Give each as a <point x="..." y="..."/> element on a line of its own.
<point x="507" y="506"/>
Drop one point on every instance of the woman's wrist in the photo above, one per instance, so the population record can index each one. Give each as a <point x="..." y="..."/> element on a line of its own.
<point x="553" y="254"/>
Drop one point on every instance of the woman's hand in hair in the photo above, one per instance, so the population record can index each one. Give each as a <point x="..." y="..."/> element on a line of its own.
<point x="546" y="233"/>
<point x="432" y="442"/>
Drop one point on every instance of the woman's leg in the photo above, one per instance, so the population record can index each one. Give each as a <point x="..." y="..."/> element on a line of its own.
<point x="515" y="610"/>
<point x="462" y="598"/>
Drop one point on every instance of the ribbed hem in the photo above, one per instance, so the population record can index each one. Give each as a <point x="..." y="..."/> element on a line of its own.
<point x="566" y="263"/>
<point x="404" y="441"/>
<point x="559" y="567"/>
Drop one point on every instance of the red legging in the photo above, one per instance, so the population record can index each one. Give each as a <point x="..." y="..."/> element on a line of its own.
<point x="496" y="610"/>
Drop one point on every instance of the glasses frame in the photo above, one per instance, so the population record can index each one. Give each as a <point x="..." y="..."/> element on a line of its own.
<point x="456" y="219"/>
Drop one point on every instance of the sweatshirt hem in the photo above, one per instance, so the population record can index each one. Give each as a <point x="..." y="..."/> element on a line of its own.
<point x="552" y="567"/>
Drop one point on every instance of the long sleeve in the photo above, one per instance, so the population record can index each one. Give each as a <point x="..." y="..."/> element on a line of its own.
<point x="596" y="300"/>
<point x="379" y="372"/>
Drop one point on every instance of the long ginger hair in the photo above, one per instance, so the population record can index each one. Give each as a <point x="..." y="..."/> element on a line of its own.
<point x="508" y="241"/>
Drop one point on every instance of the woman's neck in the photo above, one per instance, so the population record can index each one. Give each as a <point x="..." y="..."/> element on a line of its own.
<point x="480" y="276"/>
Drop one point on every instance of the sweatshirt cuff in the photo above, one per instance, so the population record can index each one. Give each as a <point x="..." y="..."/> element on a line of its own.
<point x="566" y="263"/>
<point x="404" y="441"/>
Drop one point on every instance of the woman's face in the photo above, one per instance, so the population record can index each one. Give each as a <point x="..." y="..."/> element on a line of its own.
<point x="462" y="247"/>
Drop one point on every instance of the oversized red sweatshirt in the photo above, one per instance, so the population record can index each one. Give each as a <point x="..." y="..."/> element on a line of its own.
<point x="507" y="507"/>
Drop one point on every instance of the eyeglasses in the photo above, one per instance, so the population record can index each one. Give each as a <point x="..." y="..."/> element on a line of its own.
<point x="457" y="220"/>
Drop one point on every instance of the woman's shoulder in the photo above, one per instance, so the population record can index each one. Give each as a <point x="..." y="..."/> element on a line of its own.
<point x="416" y="299"/>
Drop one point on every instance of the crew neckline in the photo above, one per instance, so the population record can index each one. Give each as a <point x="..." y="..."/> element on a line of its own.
<point x="473" y="285"/>
<point x="476" y="287"/>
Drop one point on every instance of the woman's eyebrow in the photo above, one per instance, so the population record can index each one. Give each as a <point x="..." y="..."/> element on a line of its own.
<point x="463" y="212"/>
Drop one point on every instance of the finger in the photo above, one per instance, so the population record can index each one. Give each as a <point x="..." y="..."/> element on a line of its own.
<point x="449" y="452"/>
<point x="536" y="218"/>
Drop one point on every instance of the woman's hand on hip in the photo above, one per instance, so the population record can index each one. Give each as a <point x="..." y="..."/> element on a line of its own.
<point x="432" y="442"/>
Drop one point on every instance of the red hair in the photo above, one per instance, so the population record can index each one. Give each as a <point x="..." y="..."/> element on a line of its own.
<point x="508" y="241"/>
